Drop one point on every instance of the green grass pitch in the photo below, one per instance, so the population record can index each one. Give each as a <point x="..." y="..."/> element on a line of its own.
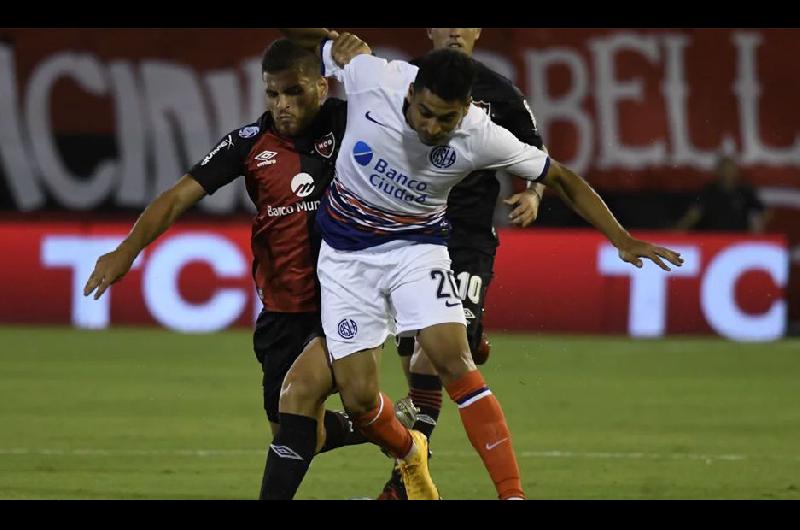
<point x="147" y="414"/>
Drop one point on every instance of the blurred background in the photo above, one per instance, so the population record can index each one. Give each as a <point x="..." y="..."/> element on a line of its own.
<point x="97" y="122"/>
<point x="692" y="136"/>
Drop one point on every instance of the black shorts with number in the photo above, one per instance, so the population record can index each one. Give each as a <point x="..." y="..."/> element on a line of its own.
<point x="473" y="272"/>
<point x="278" y="340"/>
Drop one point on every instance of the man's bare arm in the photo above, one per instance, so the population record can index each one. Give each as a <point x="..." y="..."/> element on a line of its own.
<point x="591" y="207"/>
<point x="156" y="218"/>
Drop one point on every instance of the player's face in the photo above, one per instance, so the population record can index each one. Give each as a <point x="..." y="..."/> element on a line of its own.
<point x="460" y="39"/>
<point x="433" y="118"/>
<point x="294" y="98"/>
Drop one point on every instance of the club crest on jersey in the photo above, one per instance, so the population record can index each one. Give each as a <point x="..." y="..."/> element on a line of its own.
<point x="249" y="132"/>
<point x="347" y="328"/>
<point x="325" y="145"/>
<point x="485" y="105"/>
<point x="443" y="156"/>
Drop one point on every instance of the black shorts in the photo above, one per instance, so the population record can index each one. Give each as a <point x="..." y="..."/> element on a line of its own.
<point x="473" y="272"/>
<point x="278" y="340"/>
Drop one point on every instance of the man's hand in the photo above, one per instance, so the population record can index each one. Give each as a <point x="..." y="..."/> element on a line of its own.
<point x="346" y="46"/>
<point x="109" y="269"/>
<point x="527" y="207"/>
<point x="631" y="250"/>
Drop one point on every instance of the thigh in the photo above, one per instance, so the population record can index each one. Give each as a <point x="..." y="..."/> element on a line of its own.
<point x="277" y="341"/>
<point x="308" y="382"/>
<point x="355" y="311"/>
<point x="424" y="292"/>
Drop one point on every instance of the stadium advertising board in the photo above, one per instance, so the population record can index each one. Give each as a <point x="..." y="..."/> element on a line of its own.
<point x="196" y="278"/>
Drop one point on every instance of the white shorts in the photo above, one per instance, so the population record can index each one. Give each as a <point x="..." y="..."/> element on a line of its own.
<point x="397" y="288"/>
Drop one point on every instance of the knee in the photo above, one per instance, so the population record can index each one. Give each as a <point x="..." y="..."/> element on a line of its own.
<point x="359" y="397"/>
<point x="454" y="365"/>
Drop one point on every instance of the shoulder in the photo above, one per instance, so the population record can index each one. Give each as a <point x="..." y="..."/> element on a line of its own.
<point x="496" y="86"/>
<point x="334" y="106"/>
<point x="476" y="121"/>
<point x="250" y="131"/>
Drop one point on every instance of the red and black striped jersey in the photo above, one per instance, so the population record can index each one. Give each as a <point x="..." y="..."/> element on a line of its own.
<point x="285" y="178"/>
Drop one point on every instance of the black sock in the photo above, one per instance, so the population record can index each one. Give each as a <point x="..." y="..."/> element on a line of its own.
<point x="288" y="457"/>
<point x="339" y="432"/>
<point x="426" y="393"/>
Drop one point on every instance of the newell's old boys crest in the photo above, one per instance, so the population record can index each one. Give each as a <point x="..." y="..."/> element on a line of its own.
<point x="443" y="156"/>
<point x="324" y="146"/>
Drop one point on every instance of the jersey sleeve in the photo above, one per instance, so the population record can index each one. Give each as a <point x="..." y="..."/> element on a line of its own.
<point x="225" y="162"/>
<point x="366" y="72"/>
<point x="495" y="147"/>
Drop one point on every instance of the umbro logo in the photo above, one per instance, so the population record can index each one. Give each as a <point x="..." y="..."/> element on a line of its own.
<point x="266" y="158"/>
<point x="285" y="452"/>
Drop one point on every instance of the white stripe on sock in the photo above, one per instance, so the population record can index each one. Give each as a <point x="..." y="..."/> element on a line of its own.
<point x="378" y="415"/>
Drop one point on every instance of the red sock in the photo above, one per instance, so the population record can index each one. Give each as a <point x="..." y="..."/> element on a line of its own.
<point x="381" y="426"/>
<point x="487" y="430"/>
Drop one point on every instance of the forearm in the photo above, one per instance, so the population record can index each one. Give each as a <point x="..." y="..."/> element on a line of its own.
<point x="588" y="204"/>
<point x="154" y="221"/>
<point x="156" y="218"/>
<point x="565" y="198"/>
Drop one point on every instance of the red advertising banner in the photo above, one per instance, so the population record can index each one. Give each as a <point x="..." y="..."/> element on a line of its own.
<point x="196" y="278"/>
<point x="573" y="282"/>
<point x="629" y="108"/>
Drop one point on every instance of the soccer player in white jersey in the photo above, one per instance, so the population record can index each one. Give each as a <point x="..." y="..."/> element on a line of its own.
<point x="411" y="135"/>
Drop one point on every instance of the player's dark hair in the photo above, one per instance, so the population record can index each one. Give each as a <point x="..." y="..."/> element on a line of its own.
<point x="283" y="54"/>
<point x="447" y="73"/>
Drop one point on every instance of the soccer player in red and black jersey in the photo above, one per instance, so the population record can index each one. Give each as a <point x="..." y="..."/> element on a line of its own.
<point x="287" y="158"/>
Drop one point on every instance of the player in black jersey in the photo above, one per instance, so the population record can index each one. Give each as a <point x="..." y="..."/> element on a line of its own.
<point x="473" y="239"/>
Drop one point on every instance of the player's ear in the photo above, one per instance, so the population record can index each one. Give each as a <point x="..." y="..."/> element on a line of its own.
<point x="322" y="86"/>
<point x="465" y="110"/>
<point x="478" y="33"/>
<point x="410" y="94"/>
<point x="429" y="31"/>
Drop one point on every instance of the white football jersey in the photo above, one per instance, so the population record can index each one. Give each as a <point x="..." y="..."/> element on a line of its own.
<point x="388" y="184"/>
